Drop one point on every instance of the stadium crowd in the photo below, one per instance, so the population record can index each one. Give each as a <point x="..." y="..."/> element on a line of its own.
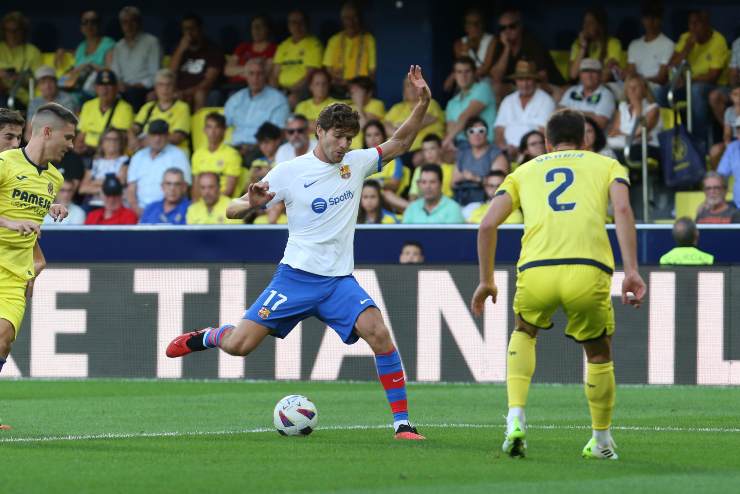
<point x="171" y="138"/>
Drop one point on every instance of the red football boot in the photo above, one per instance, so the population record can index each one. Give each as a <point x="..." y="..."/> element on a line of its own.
<point x="179" y="346"/>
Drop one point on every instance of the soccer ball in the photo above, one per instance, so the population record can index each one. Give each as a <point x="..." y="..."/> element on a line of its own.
<point x="295" y="415"/>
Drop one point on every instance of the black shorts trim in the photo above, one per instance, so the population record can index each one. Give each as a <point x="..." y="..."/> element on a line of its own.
<point x="603" y="333"/>
<point x="573" y="260"/>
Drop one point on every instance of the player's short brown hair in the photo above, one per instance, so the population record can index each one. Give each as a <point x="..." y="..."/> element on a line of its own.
<point x="566" y="127"/>
<point x="339" y="116"/>
<point x="10" y="117"/>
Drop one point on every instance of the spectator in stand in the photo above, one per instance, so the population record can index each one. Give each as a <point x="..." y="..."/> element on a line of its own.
<point x="210" y="209"/>
<point x="594" y="43"/>
<point x="72" y="168"/>
<point x="108" y="110"/>
<point x="729" y="165"/>
<point x="433" y="207"/>
<point x="591" y="97"/>
<point x="218" y="157"/>
<point x="394" y="177"/>
<point x="433" y="123"/>
<point x="516" y="44"/>
<point x="136" y="58"/>
<point x="298" y="141"/>
<point x="715" y="208"/>
<point x="361" y="91"/>
<point x="111" y="159"/>
<point x="491" y="183"/>
<point x="728" y="127"/>
<point x="474" y="99"/>
<point x="296" y="58"/>
<point x="531" y="146"/>
<point x="198" y="63"/>
<point x="706" y="51"/>
<point x="526" y="109"/>
<point x="594" y="139"/>
<point x="11" y="129"/>
<point x="64" y="197"/>
<point x="351" y="52"/>
<point x="411" y="253"/>
<point x="474" y="162"/>
<point x="372" y="207"/>
<point x="149" y="164"/>
<point x="174" y="205"/>
<point x="93" y="54"/>
<point x="686" y="236"/>
<point x="18" y="58"/>
<point x="165" y="107"/>
<point x="269" y="137"/>
<point x="113" y="211"/>
<point x="640" y="102"/>
<point x="648" y="56"/>
<point x="254" y="105"/>
<point x="318" y="85"/>
<point x="431" y="153"/>
<point x="477" y="44"/>
<point x="734" y="70"/>
<point x="46" y="83"/>
<point x="261" y="46"/>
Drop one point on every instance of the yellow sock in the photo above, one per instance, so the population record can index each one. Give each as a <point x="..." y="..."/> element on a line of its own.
<point x="601" y="391"/>
<point x="520" y="364"/>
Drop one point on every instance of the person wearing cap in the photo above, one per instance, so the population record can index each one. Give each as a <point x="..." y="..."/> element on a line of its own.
<point x="46" y="82"/>
<point x="686" y="236"/>
<point x="590" y="96"/>
<point x="113" y="211"/>
<point x="106" y="111"/>
<point x="218" y="157"/>
<point x="210" y="209"/>
<point x="729" y="165"/>
<point x="174" y="206"/>
<point x="524" y="110"/>
<point x="148" y="166"/>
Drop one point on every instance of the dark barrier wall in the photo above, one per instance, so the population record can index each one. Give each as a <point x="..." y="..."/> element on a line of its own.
<point x="115" y="320"/>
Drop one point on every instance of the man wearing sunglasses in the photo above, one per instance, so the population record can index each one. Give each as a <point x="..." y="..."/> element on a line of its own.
<point x="299" y="143"/>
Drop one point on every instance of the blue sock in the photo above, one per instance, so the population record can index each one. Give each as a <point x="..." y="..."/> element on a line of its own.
<point x="212" y="337"/>
<point x="390" y="372"/>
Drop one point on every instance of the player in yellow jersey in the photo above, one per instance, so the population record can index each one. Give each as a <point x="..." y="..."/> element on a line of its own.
<point x="28" y="185"/>
<point x="566" y="261"/>
<point x="11" y="129"/>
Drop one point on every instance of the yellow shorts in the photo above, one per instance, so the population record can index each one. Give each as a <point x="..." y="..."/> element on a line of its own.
<point x="12" y="298"/>
<point x="584" y="293"/>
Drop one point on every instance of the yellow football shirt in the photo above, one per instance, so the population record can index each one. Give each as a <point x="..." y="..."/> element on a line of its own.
<point x="564" y="197"/>
<point x="708" y="56"/>
<point x="177" y="117"/>
<point x="198" y="213"/>
<point x="92" y="121"/>
<point x="354" y="56"/>
<point x="21" y="57"/>
<point x="296" y="58"/>
<point x="401" y="111"/>
<point x="374" y="107"/>
<point x="26" y="193"/>
<point x="613" y="51"/>
<point x="225" y="161"/>
<point x="447" y="171"/>
<point x="480" y="212"/>
<point x="396" y="171"/>
<point x="310" y="109"/>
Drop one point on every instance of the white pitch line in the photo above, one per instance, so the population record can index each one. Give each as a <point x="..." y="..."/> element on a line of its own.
<point x="136" y="435"/>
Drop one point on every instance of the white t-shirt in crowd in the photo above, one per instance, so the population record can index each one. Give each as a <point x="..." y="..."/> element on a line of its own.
<point x="601" y="101"/>
<point x="286" y="151"/>
<point x="322" y="200"/>
<point x="517" y="121"/>
<point x="648" y="57"/>
<point x="627" y="122"/>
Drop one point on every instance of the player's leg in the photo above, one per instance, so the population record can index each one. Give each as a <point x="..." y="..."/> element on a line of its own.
<point x="7" y="335"/>
<point x="600" y="388"/>
<point x="237" y="340"/>
<point x="12" y="308"/>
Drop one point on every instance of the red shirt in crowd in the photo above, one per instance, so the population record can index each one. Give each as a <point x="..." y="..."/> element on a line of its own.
<point x="122" y="216"/>
<point x="244" y="51"/>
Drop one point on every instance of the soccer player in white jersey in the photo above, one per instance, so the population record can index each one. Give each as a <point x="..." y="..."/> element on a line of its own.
<point x="321" y="191"/>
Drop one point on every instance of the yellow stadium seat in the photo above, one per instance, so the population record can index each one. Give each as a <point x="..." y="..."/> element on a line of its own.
<point x="198" y="123"/>
<point x="687" y="203"/>
<point x="65" y="62"/>
<point x="561" y="59"/>
<point x="166" y="61"/>
<point x="669" y="120"/>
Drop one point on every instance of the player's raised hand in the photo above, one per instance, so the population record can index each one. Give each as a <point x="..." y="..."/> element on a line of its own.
<point x="258" y="194"/>
<point x="58" y="212"/>
<point x="479" y="297"/>
<point x="633" y="289"/>
<point x="417" y="80"/>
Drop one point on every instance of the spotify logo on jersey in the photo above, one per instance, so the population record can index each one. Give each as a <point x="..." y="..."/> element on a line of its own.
<point x="318" y="205"/>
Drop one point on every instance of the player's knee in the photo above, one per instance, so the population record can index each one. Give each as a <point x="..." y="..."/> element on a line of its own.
<point x="6" y="341"/>
<point x="378" y="337"/>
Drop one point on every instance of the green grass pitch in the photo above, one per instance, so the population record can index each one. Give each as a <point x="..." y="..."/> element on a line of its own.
<point x="185" y="436"/>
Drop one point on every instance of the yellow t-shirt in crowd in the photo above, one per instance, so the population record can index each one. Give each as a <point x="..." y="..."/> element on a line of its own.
<point x="26" y="193"/>
<point x="478" y="213"/>
<point x="564" y="197"/>
<point x="711" y="55"/>
<point x="310" y="109"/>
<point x="225" y="161"/>
<point x="177" y="117"/>
<point x="296" y="58"/>
<point x="375" y="107"/>
<point x="263" y="219"/>
<point x="198" y="213"/>
<point x="354" y="56"/>
<point x="447" y="170"/>
<point x="613" y="51"/>
<point x="21" y="57"/>
<point x="395" y="171"/>
<point x="92" y="122"/>
<point x="401" y="111"/>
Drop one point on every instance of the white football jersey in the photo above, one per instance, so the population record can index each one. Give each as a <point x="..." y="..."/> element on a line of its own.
<point x="322" y="200"/>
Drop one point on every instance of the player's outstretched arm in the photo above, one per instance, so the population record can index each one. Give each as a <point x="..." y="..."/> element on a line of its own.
<point x="487" y="239"/>
<point x="633" y="287"/>
<point x="257" y="195"/>
<point x="404" y="136"/>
